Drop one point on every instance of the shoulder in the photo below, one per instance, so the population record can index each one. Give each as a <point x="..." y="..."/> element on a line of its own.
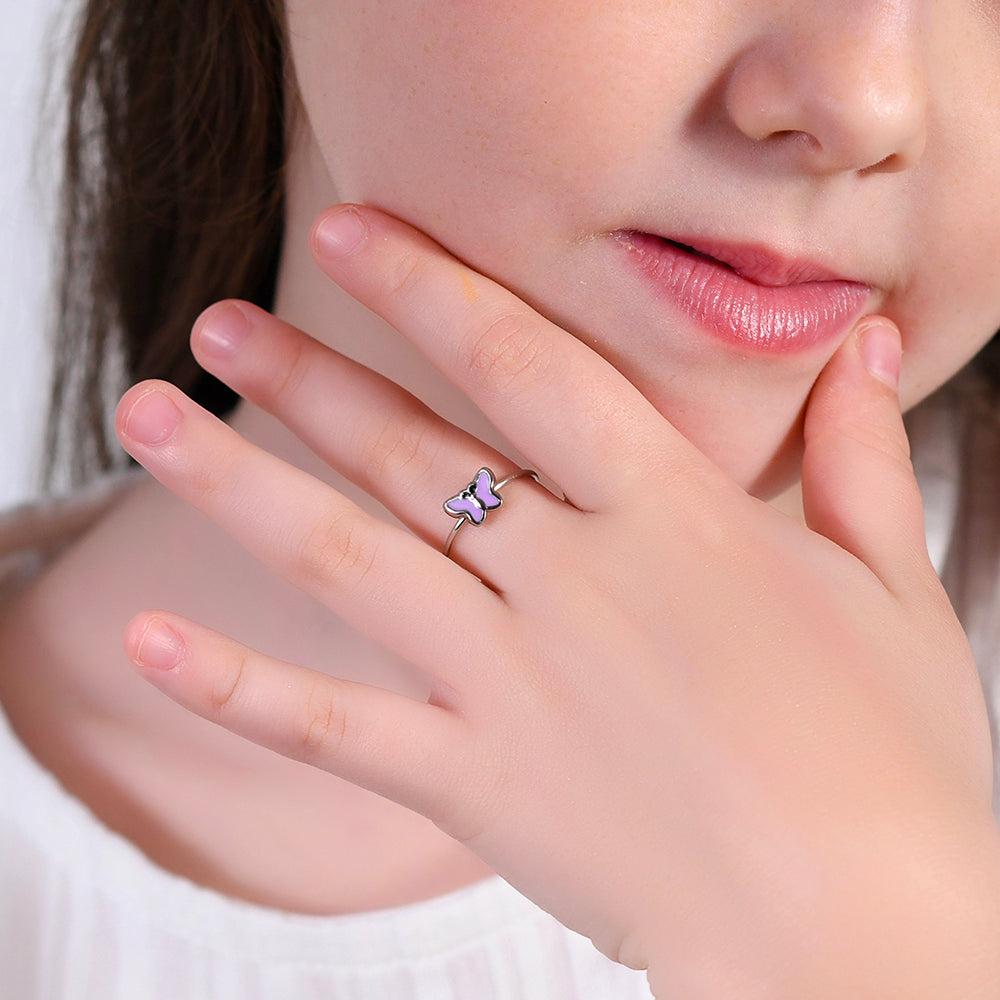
<point x="32" y="534"/>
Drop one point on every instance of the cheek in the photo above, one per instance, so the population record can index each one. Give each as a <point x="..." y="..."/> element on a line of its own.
<point x="508" y="168"/>
<point x="438" y="114"/>
<point x="508" y="131"/>
<point x="502" y="115"/>
<point x="950" y="307"/>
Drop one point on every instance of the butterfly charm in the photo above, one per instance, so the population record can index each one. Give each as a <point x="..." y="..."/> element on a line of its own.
<point x="474" y="501"/>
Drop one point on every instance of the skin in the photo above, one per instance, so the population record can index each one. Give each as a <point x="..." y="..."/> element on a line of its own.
<point x="823" y="131"/>
<point x="856" y="135"/>
<point x="846" y="788"/>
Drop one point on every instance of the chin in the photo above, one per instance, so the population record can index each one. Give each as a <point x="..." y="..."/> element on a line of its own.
<point x="762" y="453"/>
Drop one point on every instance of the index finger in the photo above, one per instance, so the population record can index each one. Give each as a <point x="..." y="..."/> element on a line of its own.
<point x="570" y="412"/>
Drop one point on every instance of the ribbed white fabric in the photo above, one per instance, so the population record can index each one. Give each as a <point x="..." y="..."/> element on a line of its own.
<point x="84" y="915"/>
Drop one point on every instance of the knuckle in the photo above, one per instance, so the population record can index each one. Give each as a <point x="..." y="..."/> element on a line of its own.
<point x="226" y="693"/>
<point x="211" y="481"/>
<point x="336" y="550"/>
<point x="285" y="379"/>
<point x="407" y="276"/>
<point x="875" y="439"/>
<point x="884" y="442"/>
<point x="511" y="349"/>
<point x="323" y="726"/>
<point x="407" y="442"/>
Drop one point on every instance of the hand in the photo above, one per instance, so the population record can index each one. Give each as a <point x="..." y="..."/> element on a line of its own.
<point x="747" y="753"/>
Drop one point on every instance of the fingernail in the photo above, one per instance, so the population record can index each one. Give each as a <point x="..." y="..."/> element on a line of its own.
<point x="882" y="352"/>
<point x="160" y="647"/>
<point x="224" y="330"/>
<point x="153" y="418"/>
<point x="340" y="233"/>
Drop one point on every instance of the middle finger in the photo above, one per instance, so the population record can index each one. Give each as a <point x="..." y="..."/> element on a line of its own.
<point x="366" y="427"/>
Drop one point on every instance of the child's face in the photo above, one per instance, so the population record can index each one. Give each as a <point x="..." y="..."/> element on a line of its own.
<point x="861" y="135"/>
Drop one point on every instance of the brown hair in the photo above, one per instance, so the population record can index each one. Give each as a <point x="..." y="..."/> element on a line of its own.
<point x="172" y="198"/>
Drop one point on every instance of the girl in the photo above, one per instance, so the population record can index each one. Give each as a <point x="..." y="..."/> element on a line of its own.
<point x="698" y="694"/>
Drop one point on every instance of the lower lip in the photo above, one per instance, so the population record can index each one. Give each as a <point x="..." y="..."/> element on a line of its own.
<point x="777" y="319"/>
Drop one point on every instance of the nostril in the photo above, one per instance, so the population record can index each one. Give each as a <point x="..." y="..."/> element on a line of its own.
<point x="831" y="102"/>
<point x="887" y="165"/>
<point x="793" y="138"/>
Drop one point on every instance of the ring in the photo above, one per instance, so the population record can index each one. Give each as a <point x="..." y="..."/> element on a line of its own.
<point x="480" y="497"/>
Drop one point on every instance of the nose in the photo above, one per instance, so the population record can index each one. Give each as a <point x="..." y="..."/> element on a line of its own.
<point x="839" y="87"/>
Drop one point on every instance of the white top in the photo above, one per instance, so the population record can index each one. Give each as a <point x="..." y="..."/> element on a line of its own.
<point x="84" y="915"/>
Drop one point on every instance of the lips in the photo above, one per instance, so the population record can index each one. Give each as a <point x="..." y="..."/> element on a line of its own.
<point x="747" y="295"/>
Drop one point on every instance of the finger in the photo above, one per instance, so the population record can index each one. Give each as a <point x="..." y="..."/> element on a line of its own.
<point x="360" y="423"/>
<point x="378" y="577"/>
<point x="858" y="485"/>
<point x="571" y="413"/>
<point x="381" y="740"/>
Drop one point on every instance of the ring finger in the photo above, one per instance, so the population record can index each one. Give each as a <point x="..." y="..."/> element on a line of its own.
<point x="366" y="427"/>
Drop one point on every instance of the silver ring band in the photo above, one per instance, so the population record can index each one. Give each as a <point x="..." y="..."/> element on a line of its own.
<point x="480" y="497"/>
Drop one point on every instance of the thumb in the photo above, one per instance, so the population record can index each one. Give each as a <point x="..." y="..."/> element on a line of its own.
<point x="858" y="487"/>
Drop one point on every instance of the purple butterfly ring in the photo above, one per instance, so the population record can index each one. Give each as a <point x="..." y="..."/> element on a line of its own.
<point x="480" y="497"/>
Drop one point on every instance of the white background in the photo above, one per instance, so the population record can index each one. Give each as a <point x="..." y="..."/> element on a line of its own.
<point x="27" y="203"/>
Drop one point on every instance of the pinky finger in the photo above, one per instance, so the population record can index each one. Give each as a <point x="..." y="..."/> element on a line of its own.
<point x="390" y="744"/>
